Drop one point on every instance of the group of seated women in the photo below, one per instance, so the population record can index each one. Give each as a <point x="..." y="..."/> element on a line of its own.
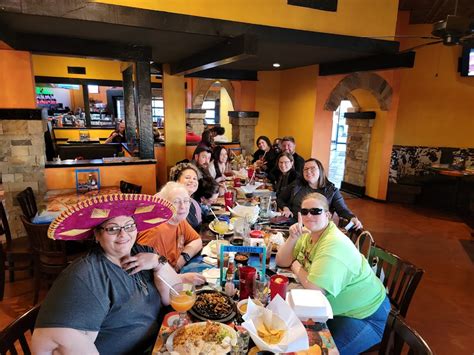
<point x="110" y="301"/>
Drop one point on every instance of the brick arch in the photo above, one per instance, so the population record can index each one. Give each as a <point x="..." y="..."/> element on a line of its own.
<point x="202" y="88"/>
<point x="371" y="82"/>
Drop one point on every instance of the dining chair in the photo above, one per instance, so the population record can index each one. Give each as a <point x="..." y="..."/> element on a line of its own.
<point x="400" y="277"/>
<point x="27" y="202"/>
<point x="129" y="188"/>
<point x="17" y="253"/>
<point x="50" y="255"/>
<point x="16" y="335"/>
<point x="399" y="337"/>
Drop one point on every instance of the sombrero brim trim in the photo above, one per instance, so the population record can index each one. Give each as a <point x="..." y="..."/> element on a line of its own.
<point x="117" y="197"/>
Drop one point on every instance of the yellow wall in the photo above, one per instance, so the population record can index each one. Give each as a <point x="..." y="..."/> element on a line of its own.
<point x="175" y="119"/>
<point x="144" y="175"/>
<point x="73" y="133"/>
<point x="16" y="78"/>
<point x="268" y="104"/>
<point x="436" y="103"/>
<point x="297" y="106"/>
<point x="47" y="65"/>
<point x="353" y="17"/>
<point x="226" y="106"/>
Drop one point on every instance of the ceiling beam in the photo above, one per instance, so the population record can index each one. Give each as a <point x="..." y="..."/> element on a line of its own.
<point x="79" y="47"/>
<point x="230" y="51"/>
<point x="375" y="62"/>
<point x="228" y="74"/>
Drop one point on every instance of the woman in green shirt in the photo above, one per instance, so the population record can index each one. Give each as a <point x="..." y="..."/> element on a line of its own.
<point x="323" y="258"/>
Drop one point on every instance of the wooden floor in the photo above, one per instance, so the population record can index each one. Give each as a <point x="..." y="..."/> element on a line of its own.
<point x="443" y="306"/>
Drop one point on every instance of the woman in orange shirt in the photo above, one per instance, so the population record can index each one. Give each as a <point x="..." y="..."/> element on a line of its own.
<point x="176" y="239"/>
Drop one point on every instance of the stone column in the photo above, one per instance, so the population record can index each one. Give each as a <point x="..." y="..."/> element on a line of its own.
<point x="357" y="151"/>
<point x="195" y="117"/>
<point x="145" y="125"/>
<point x="22" y="159"/>
<point x="243" y="129"/>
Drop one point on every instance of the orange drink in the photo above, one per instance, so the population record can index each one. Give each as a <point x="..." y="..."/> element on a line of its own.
<point x="183" y="302"/>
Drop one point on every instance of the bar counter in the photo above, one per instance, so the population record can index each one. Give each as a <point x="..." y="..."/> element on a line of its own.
<point x="62" y="174"/>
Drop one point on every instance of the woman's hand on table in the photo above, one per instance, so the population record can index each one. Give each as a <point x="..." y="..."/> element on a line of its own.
<point x="193" y="277"/>
<point x="286" y="212"/>
<point x="139" y="262"/>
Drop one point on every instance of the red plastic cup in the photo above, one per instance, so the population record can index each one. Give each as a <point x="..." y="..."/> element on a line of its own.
<point x="278" y="286"/>
<point x="237" y="182"/>
<point x="247" y="276"/>
<point x="250" y="172"/>
<point x="228" y="199"/>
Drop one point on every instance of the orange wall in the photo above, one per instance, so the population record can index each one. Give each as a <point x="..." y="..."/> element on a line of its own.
<point x="436" y="103"/>
<point x="16" y="78"/>
<point x="144" y="175"/>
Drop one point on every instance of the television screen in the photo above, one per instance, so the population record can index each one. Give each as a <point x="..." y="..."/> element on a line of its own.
<point x="467" y="62"/>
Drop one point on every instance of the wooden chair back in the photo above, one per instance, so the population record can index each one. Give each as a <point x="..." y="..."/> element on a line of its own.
<point x="400" y="338"/>
<point x="129" y="188"/>
<point x="400" y="277"/>
<point x="27" y="202"/>
<point x="15" y="333"/>
<point x="4" y="227"/>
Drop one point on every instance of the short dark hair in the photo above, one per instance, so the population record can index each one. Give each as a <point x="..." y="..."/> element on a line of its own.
<point x="201" y="149"/>
<point x="266" y="139"/>
<point x="286" y="154"/>
<point x="208" y="187"/>
<point x="218" y="130"/>
<point x="288" y="139"/>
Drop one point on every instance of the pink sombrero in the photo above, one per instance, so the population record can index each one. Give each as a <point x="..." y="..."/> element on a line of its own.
<point x="79" y="221"/>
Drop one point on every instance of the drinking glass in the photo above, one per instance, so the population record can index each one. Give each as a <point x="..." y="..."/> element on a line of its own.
<point x="261" y="291"/>
<point x="182" y="298"/>
<point x="221" y="227"/>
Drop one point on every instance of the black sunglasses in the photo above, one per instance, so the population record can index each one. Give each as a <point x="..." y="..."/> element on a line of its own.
<point x="312" y="211"/>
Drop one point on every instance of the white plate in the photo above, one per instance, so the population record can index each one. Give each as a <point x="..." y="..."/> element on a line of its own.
<point x="229" y="232"/>
<point x="169" y="342"/>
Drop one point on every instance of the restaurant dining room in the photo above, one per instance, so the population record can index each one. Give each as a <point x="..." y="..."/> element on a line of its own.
<point x="243" y="177"/>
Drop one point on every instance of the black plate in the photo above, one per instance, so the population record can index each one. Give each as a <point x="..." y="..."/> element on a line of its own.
<point x="222" y="319"/>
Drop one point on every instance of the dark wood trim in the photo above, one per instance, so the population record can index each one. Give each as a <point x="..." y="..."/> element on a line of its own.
<point x="366" y="115"/>
<point x="353" y="189"/>
<point x="243" y="114"/>
<point x="143" y="92"/>
<point x="324" y="5"/>
<point x="229" y="74"/>
<point x="20" y="114"/>
<point x="376" y="62"/>
<point x="87" y="106"/>
<point x="86" y="128"/>
<point x="195" y="110"/>
<point x="229" y="51"/>
<point x="76" y="81"/>
<point x="80" y="47"/>
<point x="94" y="162"/>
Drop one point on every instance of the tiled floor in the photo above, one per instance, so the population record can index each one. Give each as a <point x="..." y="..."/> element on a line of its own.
<point x="443" y="306"/>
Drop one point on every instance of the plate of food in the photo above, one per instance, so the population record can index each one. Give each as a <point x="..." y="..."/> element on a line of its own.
<point x="209" y="338"/>
<point x="215" y="228"/>
<point x="213" y="305"/>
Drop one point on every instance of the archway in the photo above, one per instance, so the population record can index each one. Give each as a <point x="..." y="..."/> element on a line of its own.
<point x="366" y="91"/>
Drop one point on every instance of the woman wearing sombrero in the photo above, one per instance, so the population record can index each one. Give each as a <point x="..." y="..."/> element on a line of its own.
<point x="109" y="300"/>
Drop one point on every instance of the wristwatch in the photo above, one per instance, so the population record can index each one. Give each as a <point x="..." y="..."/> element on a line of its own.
<point x="162" y="259"/>
<point x="186" y="256"/>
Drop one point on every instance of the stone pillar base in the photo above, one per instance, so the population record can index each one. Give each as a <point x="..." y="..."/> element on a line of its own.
<point x="195" y="117"/>
<point x="243" y="129"/>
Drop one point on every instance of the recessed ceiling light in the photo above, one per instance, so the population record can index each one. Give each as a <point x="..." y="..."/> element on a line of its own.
<point x="276" y="65"/>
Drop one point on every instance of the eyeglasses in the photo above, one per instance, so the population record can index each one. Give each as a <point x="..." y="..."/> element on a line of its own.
<point x="312" y="169"/>
<point x="184" y="202"/>
<point x="115" y="230"/>
<point x="312" y="211"/>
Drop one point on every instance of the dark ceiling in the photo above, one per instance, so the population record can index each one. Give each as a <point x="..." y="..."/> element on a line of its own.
<point x="431" y="11"/>
<point x="191" y="44"/>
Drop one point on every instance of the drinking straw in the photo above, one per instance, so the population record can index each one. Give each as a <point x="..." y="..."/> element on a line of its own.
<point x="214" y="214"/>
<point x="167" y="284"/>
